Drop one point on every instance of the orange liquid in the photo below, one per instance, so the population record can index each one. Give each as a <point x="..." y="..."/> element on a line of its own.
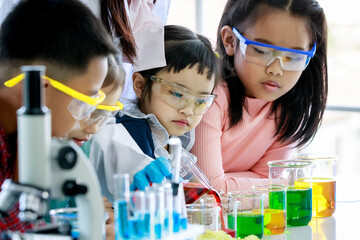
<point x="324" y="190"/>
<point x="274" y="221"/>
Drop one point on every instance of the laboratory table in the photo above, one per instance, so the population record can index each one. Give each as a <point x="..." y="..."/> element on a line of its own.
<point x="341" y="226"/>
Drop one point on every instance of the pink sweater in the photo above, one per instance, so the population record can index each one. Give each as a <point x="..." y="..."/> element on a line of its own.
<point x="236" y="159"/>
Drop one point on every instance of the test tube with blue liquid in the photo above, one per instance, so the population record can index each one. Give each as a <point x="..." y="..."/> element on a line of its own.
<point x="179" y="215"/>
<point x="149" y="219"/>
<point x="159" y="210"/>
<point x="136" y="219"/>
<point x="176" y="208"/>
<point x="121" y="201"/>
<point x="169" y="221"/>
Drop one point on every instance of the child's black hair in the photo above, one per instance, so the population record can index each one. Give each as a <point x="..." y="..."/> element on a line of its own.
<point x="60" y="33"/>
<point x="184" y="48"/>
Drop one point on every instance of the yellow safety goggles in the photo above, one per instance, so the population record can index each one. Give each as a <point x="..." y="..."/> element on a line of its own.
<point x="81" y="105"/>
<point x="103" y="114"/>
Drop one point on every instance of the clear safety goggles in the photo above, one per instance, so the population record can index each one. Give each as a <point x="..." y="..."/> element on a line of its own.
<point x="80" y="107"/>
<point x="102" y="114"/>
<point x="179" y="97"/>
<point x="264" y="54"/>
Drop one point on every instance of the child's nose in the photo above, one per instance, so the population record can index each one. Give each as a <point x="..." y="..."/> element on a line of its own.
<point x="92" y="129"/>
<point x="188" y="110"/>
<point x="274" y="68"/>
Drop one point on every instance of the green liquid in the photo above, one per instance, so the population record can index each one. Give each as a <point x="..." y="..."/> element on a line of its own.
<point x="277" y="200"/>
<point x="299" y="206"/>
<point x="275" y="215"/>
<point x="247" y="224"/>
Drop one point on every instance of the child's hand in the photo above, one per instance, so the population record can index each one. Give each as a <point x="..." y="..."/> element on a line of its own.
<point x="155" y="172"/>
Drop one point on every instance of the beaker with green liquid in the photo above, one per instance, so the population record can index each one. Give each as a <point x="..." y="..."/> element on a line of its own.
<point x="245" y="213"/>
<point x="274" y="207"/>
<point x="298" y="198"/>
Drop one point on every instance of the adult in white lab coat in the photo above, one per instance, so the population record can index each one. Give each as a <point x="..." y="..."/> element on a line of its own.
<point x="145" y="18"/>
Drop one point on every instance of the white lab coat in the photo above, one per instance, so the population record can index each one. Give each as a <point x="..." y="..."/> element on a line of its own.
<point x="113" y="150"/>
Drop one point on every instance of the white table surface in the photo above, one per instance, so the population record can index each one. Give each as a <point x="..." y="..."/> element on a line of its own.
<point x="344" y="224"/>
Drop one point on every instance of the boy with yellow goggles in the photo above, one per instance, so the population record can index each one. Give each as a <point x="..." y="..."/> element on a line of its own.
<point x="81" y="106"/>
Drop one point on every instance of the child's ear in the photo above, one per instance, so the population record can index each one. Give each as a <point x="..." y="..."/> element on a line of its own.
<point x="138" y="84"/>
<point x="229" y="40"/>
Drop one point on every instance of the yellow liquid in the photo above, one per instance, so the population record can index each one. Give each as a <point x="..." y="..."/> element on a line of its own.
<point x="274" y="221"/>
<point x="324" y="189"/>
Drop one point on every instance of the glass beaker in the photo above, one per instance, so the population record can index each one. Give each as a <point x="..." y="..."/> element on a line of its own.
<point x="323" y="183"/>
<point x="229" y="206"/>
<point x="274" y="207"/>
<point x="246" y="214"/>
<point x="292" y="174"/>
<point x="206" y="214"/>
<point x="195" y="182"/>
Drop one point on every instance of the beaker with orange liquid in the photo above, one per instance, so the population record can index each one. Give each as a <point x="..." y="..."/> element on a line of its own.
<point x="323" y="183"/>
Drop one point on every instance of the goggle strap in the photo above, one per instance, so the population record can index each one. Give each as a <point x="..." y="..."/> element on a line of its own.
<point x="119" y="106"/>
<point x="15" y="80"/>
<point x="61" y="87"/>
<point x="75" y="94"/>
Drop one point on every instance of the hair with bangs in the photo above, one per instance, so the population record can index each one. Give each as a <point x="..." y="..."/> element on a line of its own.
<point x="298" y="112"/>
<point x="185" y="49"/>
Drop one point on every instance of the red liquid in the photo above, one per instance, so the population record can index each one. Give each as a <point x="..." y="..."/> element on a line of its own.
<point x="193" y="191"/>
<point x="230" y="232"/>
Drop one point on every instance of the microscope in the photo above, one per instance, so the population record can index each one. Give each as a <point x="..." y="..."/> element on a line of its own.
<point x="50" y="168"/>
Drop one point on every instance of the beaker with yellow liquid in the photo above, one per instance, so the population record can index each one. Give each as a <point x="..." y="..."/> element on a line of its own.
<point x="323" y="183"/>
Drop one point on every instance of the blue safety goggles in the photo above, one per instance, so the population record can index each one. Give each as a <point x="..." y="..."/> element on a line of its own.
<point x="264" y="54"/>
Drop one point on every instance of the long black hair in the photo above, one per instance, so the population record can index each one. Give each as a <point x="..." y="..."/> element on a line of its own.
<point x="116" y="22"/>
<point x="302" y="108"/>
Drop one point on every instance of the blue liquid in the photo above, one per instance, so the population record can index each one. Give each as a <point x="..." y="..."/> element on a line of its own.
<point x="183" y="223"/>
<point x="122" y="230"/>
<point x="147" y="224"/>
<point x="176" y="217"/>
<point x="158" y="231"/>
<point x="136" y="228"/>
<point x="166" y="224"/>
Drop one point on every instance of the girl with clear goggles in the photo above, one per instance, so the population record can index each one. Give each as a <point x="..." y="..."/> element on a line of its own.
<point x="264" y="54"/>
<point x="81" y="105"/>
<point x="179" y="97"/>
